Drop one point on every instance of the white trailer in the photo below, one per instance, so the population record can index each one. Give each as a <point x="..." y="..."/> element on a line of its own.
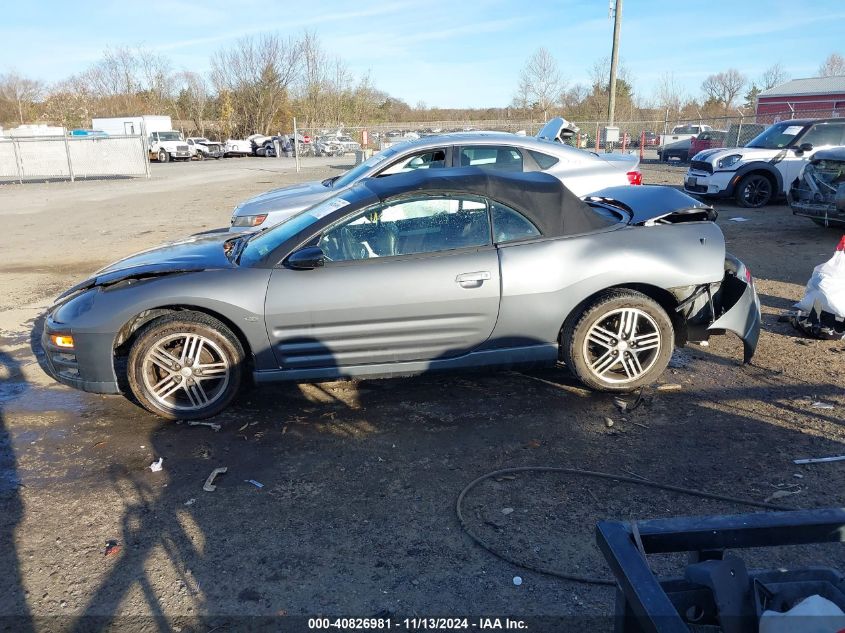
<point x="163" y="142"/>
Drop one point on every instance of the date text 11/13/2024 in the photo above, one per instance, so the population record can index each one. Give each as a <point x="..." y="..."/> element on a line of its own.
<point x="416" y="624"/>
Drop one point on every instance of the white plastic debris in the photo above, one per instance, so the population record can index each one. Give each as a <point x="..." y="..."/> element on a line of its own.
<point x="821" y="405"/>
<point x="257" y="484"/>
<point x="826" y="288"/>
<point x="814" y="614"/>
<point x="157" y="465"/>
<point x="739" y="219"/>
<point x="209" y="486"/>
<point x="507" y="510"/>
<point x="517" y="580"/>
<point x="212" y="425"/>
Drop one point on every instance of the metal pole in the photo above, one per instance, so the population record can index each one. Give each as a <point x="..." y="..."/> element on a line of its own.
<point x="18" y="164"/>
<point x="144" y="150"/>
<point x="67" y="153"/>
<point x="295" y="145"/>
<point x="614" y="59"/>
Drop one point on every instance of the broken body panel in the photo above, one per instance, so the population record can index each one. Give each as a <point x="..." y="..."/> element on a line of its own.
<point x="819" y="192"/>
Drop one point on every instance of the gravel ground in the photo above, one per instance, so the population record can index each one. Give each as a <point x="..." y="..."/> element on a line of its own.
<point x="356" y="514"/>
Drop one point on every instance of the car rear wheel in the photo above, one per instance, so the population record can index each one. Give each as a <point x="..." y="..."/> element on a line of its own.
<point x="754" y="191"/>
<point x="185" y="366"/>
<point x="619" y="341"/>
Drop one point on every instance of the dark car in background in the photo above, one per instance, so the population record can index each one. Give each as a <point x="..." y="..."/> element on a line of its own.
<point x="819" y="191"/>
<point x="708" y="139"/>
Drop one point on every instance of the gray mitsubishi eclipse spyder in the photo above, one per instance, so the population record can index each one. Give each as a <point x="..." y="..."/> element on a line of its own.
<point x="431" y="270"/>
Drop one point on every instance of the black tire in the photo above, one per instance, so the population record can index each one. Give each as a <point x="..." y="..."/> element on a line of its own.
<point x="200" y="155"/>
<point x="163" y="157"/>
<point x="754" y="191"/>
<point x="191" y="388"/>
<point x="584" y="357"/>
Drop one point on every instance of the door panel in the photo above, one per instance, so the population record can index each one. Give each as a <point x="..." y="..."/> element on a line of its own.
<point x="383" y="310"/>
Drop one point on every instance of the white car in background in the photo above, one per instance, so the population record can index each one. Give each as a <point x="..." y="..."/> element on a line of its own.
<point x="581" y="171"/>
<point x="237" y="147"/>
<point x="765" y="168"/>
<point x="201" y="148"/>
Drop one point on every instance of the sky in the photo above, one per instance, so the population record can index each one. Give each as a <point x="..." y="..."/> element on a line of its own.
<point x="445" y="53"/>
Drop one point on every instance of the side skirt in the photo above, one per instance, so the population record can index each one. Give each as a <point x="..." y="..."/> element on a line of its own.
<point x="545" y="354"/>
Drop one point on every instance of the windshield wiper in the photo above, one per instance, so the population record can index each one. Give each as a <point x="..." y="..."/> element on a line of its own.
<point x="328" y="182"/>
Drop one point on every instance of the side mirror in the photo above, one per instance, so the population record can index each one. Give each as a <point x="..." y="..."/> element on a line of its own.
<point x="307" y="258"/>
<point x="806" y="147"/>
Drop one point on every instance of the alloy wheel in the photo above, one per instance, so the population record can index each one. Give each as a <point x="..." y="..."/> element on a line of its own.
<point x="622" y="345"/>
<point x="185" y="372"/>
<point x="757" y="191"/>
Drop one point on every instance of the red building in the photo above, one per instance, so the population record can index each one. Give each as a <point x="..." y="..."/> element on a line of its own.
<point x="811" y="98"/>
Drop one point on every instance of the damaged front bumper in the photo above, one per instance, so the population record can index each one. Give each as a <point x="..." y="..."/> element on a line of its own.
<point x="731" y="305"/>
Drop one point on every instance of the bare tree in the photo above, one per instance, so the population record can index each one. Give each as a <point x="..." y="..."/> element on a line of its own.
<point x="540" y="82"/>
<point x="669" y="94"/>
<point x="20" y="91"/>
<point x="833" y="66"/>
<point x="194" y="99"/>
<point x="259" y="73"/>
<point x="523" y="94"/>
<point x="724" y="87"/>
<point x="773" y="76"/>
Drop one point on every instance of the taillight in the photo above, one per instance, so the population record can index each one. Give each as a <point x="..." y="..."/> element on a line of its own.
<point x="635" y="178"/>
<point x="748" y="276"/>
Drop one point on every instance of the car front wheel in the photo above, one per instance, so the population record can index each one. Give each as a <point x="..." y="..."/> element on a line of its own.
<point x="163" y="156"/>
<point x="754" y="191"/>
<point x="619" y="341"/>
<point x="185" y="366"/>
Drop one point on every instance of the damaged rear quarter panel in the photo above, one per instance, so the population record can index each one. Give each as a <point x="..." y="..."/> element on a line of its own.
<point x="665" y="256"/>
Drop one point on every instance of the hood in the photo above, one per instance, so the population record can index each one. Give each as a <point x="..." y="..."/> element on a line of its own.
<point x="193" y="254"/>
<point x="294" y="196"/>
<point x="557" y="129"/>
<point x="652" y="204"/>
<point x="835" y="153"/>
<point x="747" y="153"/>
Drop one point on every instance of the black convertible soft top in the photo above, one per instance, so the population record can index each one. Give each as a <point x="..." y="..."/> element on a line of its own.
<point x="542" y="198"/>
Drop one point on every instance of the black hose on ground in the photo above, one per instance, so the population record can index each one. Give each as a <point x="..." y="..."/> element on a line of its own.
<point x="592" y="580"/>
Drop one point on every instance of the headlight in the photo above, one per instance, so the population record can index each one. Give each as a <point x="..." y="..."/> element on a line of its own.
<point x="728" y="161"/>
<point x="249" y="220"/>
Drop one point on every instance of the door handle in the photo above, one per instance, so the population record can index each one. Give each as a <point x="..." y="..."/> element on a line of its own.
<point x="476" y="277"/>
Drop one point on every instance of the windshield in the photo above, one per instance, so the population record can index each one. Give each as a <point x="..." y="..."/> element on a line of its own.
<point x="364" y="168"/>
<point x="261" y="243"/>
<point x="169" y="136"/>
<point x="778" y="136"/>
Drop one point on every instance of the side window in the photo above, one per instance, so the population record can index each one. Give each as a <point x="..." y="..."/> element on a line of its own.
<point x="492" y="157"/>
<point x="430" y="159"/>
<point x="544" y="161"/>
<point x="510" y="225"/>
<point x="423" y="224"/>
<point x="823" y="134"/>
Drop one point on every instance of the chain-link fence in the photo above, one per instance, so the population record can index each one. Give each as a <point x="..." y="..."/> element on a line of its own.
<point x="646" y="136"/>
<point x="71" y="158"/>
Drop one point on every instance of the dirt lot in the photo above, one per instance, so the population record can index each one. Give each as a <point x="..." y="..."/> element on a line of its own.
<point x="356" y="516"/>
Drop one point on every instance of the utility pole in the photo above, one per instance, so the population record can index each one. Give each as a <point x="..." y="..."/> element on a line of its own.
<point x="614" y="58"/>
